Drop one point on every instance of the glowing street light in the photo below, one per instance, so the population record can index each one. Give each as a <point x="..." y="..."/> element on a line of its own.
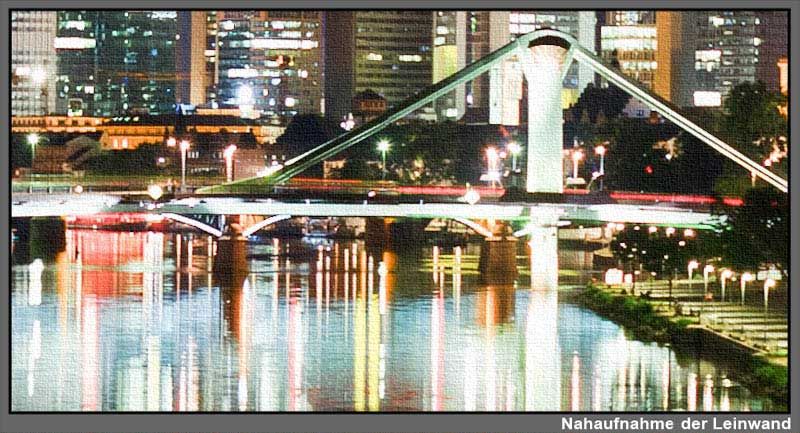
<point x="471" y="196"/>
<point x="228" y="154"/>
<point x="708" y="269"/>
<point x="669" y="231"/>
<point x="689" y="233"/>
<point x="724" y="276"/>
<point x="577" y="156"/>
<point x="601" y="151"/>
<point x="155" y="192"/>
<point x="690" y="270"/>
<point x="515" y="149"/>
<point x="171" y="142"/>
<point x="33" y="139"/>
<point x="769" y="283"/>
<point x="383" y="146"/>
<point x="746" y="278"/>
<point x="184" y="148"/>
<point x="492" y="166"/>
<point x="348" y="123"/>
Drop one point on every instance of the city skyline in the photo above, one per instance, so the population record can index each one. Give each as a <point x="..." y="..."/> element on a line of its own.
<point x="276" y="64"/>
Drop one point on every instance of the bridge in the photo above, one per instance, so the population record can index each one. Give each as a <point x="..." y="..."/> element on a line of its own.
<point x="183" y="210"/>
<point x="545" y="56"/>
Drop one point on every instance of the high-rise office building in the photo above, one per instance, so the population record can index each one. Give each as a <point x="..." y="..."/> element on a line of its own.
<point x="628" y="40"/>
<point x="393" y="53"/>
<point x="268" y="62"/>
<point x="674" y="76"/>
<point x="486" y="31"/>
<point x="193" y="79"/>
<point x="136" y="67"/>
<point x="76" y="48"/>
<point x="727" y="54"/>
<point x="33" y="62"/>
<point x="386" y="52"/>
<point x="449" y="56"/>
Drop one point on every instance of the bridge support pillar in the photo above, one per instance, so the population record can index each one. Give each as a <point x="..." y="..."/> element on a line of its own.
<point x="543" y="70"/>
<point x="378" y="235"/>
<point x="47" y="237"/>
<point x="543" y="241"/>
<point x="231" y="256"/>
<point x="498" y="260"/>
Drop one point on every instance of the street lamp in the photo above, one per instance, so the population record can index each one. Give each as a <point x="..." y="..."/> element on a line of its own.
<point x="383" y="147"/>
<point x="577" y="156"/>
<point x="601" y="151"/>
<point x="155" y="192"/>
<point x="228" y="154"/>
<point x="184" y="149"/>
<point x="706" y="270"/>
<point x="769" y="283"/>
<point x="723" y="277"/>
<point x="171" y="142"/>
<point x="492" y="169"/>
<point x="33" y="139"/>
<point x="690" y="269"/>
<point x="746" y="277"/>
<point x="515" y="149"/>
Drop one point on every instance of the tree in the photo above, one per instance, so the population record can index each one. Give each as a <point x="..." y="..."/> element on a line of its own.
<point x="758" y="232"/>
<point x="304" y="132"/>
<point x="751" y="112"/>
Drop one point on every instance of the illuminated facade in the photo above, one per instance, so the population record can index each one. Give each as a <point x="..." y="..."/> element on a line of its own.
<point x="393" y="53"/>
<point x="783" y="75"/>
<point x="386" y="52"/>
<point x="268" y="62"/>
<point x="136" y="63"/>
<point x="449" y="56"/>
<point x="727" y="53"/>
<point x="486" y="31"/>
<point x="77" y="62"/>
<point x="628" y="40"/>
<point x="33" y="62"/>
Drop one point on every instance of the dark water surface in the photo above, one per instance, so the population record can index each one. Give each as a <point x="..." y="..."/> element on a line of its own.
<point x="121" y="321"/>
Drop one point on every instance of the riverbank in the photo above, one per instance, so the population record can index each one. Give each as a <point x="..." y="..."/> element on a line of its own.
<point x="641" y="319"/>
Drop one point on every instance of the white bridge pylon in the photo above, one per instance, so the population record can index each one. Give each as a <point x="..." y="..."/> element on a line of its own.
<point x="545" y="55"/>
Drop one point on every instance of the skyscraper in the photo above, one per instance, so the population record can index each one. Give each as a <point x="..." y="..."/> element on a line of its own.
<point x="193" y="78"/>
<point x="269" y="62"/>
<point x="137" y="73"/>
<point x="33" y="62"/>
<point x="674" y="76"/>
<point x="628" y="40"/>
<point x="391" y="56"/>
<point x="728" y="51"/>
<point x="449" y="56"/>
<point x="76" y="48"/>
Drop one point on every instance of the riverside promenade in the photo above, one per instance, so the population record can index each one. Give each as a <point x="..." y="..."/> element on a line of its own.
<point x="745" y="323"/>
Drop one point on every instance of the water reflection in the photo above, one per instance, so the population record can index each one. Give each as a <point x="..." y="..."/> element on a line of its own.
<point x="164" y="322"/>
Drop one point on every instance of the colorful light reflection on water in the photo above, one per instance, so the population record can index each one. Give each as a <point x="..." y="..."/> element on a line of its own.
<point x="142" y="322"/>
